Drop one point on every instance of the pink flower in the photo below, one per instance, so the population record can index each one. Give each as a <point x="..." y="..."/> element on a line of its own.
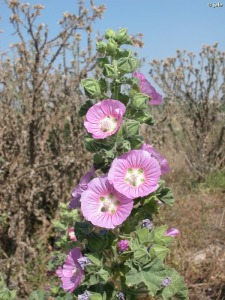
<point x="103" y="206"/>
<point x="135" y="174"/>
<point x="104" y="118"/>
<point x="146" y="88"/>
<point x="123" y="245"/>
<point x="161" y="160"/>
<point x="172" y="232"/>
<point x="71" y="234"/>
<point x="82" y="186"/>
<point x="71" y="272"/>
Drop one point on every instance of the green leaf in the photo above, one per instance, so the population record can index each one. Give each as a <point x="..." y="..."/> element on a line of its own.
<point x="158" y="236"/>
<point x="131" y="128"/>
<point x="158" y="251"/>
<point x="166" y="196"/>
<point x="143" y="235"/>
<point x="89" y="143"/>
<point x="96" y="242"/>
<point x="176" y="288"/>
<point x="95" y="296"/>
<point x="139" y="101"/>
<point x="37" y="295"/>
<point x="94" y="258"/>
<point x="84" y="108"/>
<point x="135" y="141"/>
<point x="123" y="98"/>
<point x="151" y="276"/>
<point x="127" y="64"/>
<point x="141" y="256"/>
<point x="144" y="117"/>
<point x="82" y="229"/>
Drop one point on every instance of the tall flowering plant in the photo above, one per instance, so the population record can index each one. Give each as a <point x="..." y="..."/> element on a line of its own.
<point x="114" y="250"/>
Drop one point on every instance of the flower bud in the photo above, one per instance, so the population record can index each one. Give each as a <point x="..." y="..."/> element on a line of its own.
<point x="122" y="37"/>
<point x="101" y="47"/>
<point x="110" y="34"/>
<point x="111" y="47"/>
<point x="91" y="87"/>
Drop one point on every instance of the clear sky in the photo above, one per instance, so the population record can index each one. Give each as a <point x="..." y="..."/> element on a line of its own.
<point x="167" y="25"/>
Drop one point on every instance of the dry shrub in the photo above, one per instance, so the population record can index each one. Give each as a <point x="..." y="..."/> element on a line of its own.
<point x="194" y="110"/>
<point x="41" y="150"/>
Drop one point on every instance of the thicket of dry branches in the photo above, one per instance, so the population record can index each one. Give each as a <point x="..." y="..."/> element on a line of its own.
<point x="194" y="111"/>
<point x="40" y="131"/>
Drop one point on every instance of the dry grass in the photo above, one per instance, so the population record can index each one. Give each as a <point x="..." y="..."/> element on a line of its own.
<point x="198" y="254"/>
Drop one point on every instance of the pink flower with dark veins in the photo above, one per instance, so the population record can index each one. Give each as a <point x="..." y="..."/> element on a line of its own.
<point x="71" y="273"/>
<point x="104" y="118"/>
<point x="135" y="174"/>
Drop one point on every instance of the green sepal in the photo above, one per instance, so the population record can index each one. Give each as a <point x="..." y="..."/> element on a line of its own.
<point x="131" y="128"/>
<point x="110" y="33"/>
<point x="123" y="53"/>
<point x="111" y="47"/>
<point x="122" y="37"/>
<point x="84" y="108"/>
<point x="103" y="85"/>
<point x="91" y="87"/>
<point x="102" y="61"/>
<point x="110" y="71"/>
<point x="127" y="64"/>
<point x="139" y="101"/>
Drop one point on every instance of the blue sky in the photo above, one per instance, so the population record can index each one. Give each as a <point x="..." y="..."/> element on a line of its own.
<point x="167" y="25"/>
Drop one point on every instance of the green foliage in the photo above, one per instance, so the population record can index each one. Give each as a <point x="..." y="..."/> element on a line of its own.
<point x="5" y="293"/>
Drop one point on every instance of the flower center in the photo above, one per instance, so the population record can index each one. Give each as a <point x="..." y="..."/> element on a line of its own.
<point x="135" y="176"/>
<point x="109" y="203"/>
<point x="108" y="124"/>
<point x="75" y="271"/>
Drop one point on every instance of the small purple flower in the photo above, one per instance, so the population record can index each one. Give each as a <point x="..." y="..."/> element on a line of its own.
<point x="81" y="187"/>
<point x="71" y="234"/>
<point x="84" y="261"/>
<point x="71" y="273"/>
<point x="146" y="88"/>
<point x="172" y="232"/>
<point x="161" y="160"/>
<point x="147" y="223"/>
<point x="85" y="296"/>
<point x="123" y="245"/>
<point x="104" y="118"/>
<point x="166" y="281"/>
<point x="120" y="296"/>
